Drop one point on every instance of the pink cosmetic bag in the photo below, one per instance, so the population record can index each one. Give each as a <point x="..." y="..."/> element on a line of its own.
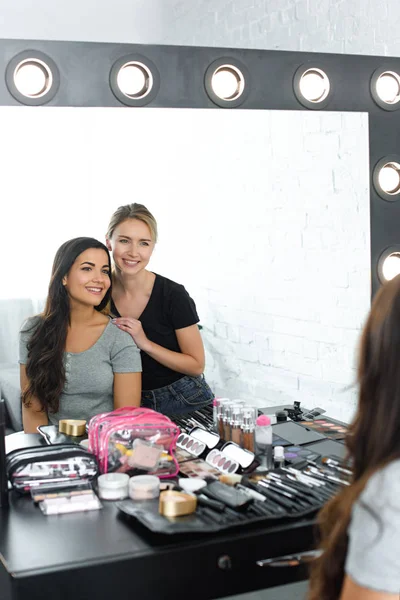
<point x="133" y="439"/>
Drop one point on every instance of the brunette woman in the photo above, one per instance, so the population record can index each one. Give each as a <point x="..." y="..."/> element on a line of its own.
<point x="360" y="527"/>
<point x="74" y="363"/>
<point x="159" y="314"/>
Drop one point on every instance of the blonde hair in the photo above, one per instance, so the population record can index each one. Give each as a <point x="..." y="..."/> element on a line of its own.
<point x="133" y="211"/>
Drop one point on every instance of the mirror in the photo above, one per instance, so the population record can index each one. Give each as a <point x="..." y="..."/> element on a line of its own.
<point x="263" y="216"/>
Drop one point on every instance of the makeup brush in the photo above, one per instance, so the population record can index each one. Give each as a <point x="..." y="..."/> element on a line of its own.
<point x="333" y="465"/>
<point x="319" y="473"/>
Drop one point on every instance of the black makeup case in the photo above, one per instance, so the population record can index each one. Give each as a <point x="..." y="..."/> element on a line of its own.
<point x="66" y="464"/>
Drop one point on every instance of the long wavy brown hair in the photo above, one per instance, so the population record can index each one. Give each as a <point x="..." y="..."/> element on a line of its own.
<point x="373" y="438"/>
<point x="46" y="346"/>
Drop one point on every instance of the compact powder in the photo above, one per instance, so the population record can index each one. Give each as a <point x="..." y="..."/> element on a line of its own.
<point x="74" y="427"/>
<point x="113" y="486"/>
<point x="144" y="487"/>
<point x="176" y="504"/>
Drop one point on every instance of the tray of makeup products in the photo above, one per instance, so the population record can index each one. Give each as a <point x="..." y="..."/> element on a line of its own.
<point x="235" y="492"/>
<point x="280" y="495"/>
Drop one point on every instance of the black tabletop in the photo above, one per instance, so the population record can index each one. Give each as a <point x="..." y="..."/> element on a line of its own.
<point x="96" y="547"/>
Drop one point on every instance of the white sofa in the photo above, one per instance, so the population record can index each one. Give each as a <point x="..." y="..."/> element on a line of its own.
<point x="13" y="313"/>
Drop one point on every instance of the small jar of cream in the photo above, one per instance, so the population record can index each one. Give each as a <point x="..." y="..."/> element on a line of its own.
<point x="113" y="486"/>
<point x="144" y="487"/>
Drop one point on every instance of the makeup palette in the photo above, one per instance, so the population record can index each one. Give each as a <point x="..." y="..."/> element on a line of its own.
<point x="293" y="453"/>
<point x="330" y="430"/>
<point x="221" y="462"/>
<point x="190" y="444"/>
<point x="198" y="468"/>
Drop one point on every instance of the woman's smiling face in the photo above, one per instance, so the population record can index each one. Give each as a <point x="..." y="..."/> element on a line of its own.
<point x="88" y="279"/>
<point x="131" y="245"/>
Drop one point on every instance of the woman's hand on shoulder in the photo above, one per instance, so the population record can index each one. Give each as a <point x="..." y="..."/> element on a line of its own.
<point x="135" y="330"/>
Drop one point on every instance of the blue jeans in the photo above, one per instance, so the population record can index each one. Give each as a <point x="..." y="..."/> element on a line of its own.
<point x="181" y="397"/>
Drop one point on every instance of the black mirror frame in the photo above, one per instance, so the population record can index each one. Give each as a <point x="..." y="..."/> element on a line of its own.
<point x="85" y="67"/>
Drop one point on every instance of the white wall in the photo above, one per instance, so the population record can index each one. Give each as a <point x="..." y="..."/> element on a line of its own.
<point x="350" y="26"/>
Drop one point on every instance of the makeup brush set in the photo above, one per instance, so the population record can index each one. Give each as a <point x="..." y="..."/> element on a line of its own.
<point x="284" y="493"/>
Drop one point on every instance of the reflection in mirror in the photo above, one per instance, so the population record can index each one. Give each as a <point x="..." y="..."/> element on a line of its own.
<point x="263" y="216"/>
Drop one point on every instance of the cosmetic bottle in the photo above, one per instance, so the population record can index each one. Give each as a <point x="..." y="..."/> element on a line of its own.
<point x="220" y="415"/>
<point x="236" y="422"/>
<point x="226" y="420"/>
<point x="215" y="414"/>
<point x="249" y="414"/>
<point x="263" y="442"/>
<point x="279" y="457"/>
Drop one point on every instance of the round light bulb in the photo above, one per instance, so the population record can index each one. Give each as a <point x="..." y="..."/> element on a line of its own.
<point x="134" y="80"/>
<point x="391" y="266"/>
<point x="131" y="80"/>
<point x="389" y="178"/>
<point x="227" y="83"/>
<point x="388" y="87"/>
<point x="32" y="78"/>
<point x="314" y="85"/>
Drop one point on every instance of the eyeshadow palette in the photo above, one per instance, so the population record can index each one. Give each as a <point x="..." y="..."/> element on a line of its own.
<point x="335" y="449"/>
<point x="293" y="453"/>
<point x="330" y="430"/>
<point x="192" y="445"/>
<point x="182" y="455"/>
<point x="198" y="468"/>
<point x="222" y="462"/>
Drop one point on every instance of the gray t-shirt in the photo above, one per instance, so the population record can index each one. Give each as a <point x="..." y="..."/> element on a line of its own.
<point x="373" y="558"/>
<point x="88" y="389"/>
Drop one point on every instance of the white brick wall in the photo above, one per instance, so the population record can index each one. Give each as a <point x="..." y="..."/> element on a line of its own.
<point x="349" y="26"/>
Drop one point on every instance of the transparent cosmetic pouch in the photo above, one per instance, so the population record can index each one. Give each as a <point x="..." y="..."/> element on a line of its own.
<point x="134" y="439"/>
<point x="29" y="468"/>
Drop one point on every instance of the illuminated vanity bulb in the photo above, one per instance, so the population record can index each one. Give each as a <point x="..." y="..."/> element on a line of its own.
<point x="314" y="85"/>
<point x="388" y="87"/>
<point x="134" y="80"/>
<point x="227" y="82"/>
<point x="33" y="78"/>
<point x="389" y="178"/>
<point x="391" y="266"/>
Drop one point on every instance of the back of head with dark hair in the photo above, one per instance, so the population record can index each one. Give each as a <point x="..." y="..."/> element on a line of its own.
<point x="373" y="438"/>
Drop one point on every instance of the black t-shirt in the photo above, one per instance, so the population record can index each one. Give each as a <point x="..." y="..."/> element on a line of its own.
<point x="169" y="307"/>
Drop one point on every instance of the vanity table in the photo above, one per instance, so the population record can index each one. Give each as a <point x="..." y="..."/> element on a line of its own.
<point x="98" y="554"/>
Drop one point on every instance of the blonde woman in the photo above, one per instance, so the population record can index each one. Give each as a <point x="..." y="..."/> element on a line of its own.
<point x="159" y="314"/>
